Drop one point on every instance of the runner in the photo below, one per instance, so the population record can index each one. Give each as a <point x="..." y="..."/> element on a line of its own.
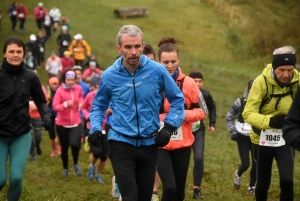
<point x="41" y="40"/>
<point x="67" y="102"/>
<point x="22" y="12"/>
<point x="15" y="135"/>
<point x="174" y="158"/>
<point x="96" y="152"/>
<point x="12" y="12"/>
<point x="133" y="138"/>
<point x="78" y="47"/>
<point x="33" y="47"/>
<point x="39" y="13"/>
<point x="54" y="142"/>
<point x="199" y="134"/>
<point x="53" y="65"/>
<point x="66" y="61"/>
<point x="29" y="62"/>
<point x="91" y="71"/>
<point x="268" y="103"/>
<point x="55" y="17"/>
<point x="47" y="25"/>
<point x="63" y="41"/>
<point x="92" y="58"/>
<point x="240" y="132"/>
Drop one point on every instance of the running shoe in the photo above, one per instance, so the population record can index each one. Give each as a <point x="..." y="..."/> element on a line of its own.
<point x="154" y="197"/>
<point x="66" y="172"/>
<point x="77" y="170"/>
<point x="251" y="190"/>
<point x="197" y="193"/>
<point x="33" y="159"/>
<point x="53" y="154"/>
<point x="38" y="150"/>
<point x="99" y="179"/>
<point x="91" y="172"/>
<point x="237" y="180"/>
<point x="115" y="192"/>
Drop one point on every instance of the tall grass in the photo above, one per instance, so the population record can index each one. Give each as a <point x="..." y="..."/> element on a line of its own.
<point x="212" y="44"/>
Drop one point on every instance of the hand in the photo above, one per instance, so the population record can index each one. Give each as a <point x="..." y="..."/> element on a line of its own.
<point x="163" y="137"/>
<point x="234" y="137"/>
<point x="211" y="129"/>
<point x="277" y="121"/>
<point x="70" y="103"/>
<point x="108" y="111"/>
<point x="94" y="138"/>
<point x="46" y="123"/>
<point x="79" y="106"/>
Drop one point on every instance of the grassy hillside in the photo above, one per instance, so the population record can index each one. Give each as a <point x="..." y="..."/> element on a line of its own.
<point x="213" y="44"/>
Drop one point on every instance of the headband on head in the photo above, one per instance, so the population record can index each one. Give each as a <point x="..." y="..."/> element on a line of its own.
<point x="283" y="60"/>
<point x="70" y="74"/>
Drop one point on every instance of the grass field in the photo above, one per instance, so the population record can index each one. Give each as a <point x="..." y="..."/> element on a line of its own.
<point x="206" y="35"/>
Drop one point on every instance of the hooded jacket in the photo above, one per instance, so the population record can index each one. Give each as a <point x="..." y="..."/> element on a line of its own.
<point x="17" y="86"/>
<point x="135" y="99"/>
<point x="258" y="91"/>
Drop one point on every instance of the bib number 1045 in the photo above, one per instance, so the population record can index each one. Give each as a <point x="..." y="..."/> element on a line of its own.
<point x="273" y="137"/>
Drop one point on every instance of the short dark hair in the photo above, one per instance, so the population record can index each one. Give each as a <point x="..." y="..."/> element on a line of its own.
<point x="63" y="76"/>
<point x="14" y="40"/>
<point x="148" y="49"/>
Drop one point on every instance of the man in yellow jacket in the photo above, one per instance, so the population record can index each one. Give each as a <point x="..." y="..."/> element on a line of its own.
<point x="78" y="47"/>
<point x="268" y="103"/>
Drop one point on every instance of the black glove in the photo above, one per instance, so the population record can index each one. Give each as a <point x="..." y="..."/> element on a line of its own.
<point x="162" y="138"/>
<point x="234" y="137"/>
<point x="46" y="122"/>
<point x="277" y="121"/>
<point x="94" y="138"/>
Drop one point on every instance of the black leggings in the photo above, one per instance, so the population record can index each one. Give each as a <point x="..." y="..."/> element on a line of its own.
<point x="39" y="23"/>
<point x="22" y="22"/>
<point x="51" y="130"/>
<point x="172" y="167"/>
<point x="284" y="157"/>
<point x="13" y="20"/>
<point x="244" y="147"/>
<point x="69" y="137"/>
<point x="198" y="149"/>
<point x="79" y="62"/>
<point x="134" y="168"/>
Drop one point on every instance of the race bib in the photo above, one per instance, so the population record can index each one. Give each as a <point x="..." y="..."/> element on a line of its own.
<point x="41" y="49"/>
<point x="41" y="11"/>
<point x="21" y="15"/>
<point x="196" y="126"/>
<point x="65" y="43"/>
<point x="176" y="135"/>
<point x="30" y="64"/>
<point x="47" y="22"/>
<point x="14" y="12"/>
<point x="271" y="138"/>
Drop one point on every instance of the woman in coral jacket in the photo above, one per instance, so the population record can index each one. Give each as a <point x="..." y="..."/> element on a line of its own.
<point x="67" y="103"/>
<point x="173" y="159"/>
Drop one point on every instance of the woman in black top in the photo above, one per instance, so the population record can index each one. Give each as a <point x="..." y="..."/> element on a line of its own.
<point x="17" y="86"/>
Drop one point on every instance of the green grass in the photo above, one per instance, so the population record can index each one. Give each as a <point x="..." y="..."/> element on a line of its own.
<point x="208" y="47"/>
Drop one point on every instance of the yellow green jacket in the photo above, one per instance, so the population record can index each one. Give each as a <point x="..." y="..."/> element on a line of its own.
<point x="257" y="93"/>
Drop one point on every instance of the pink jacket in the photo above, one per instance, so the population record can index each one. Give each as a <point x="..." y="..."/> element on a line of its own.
<point x="67" y="62"/>
<point x="39" y="13"/>
<point x="67" y="116"/>
<point x="87" y="106"/>
<point x="89" y="73"/>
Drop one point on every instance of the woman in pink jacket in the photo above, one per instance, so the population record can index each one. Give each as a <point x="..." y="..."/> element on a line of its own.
<point x="39" y="13"/>
<point x="67" y="102"/>
<point x="96" y="152"/>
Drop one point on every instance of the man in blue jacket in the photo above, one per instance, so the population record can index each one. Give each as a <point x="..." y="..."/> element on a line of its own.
<point x="133" y="87"/>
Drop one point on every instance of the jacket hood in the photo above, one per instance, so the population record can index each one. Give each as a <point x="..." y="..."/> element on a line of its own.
<point x="143" y="61"/>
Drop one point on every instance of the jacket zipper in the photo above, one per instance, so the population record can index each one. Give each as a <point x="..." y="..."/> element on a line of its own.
<point x="72" y="107"/>
<point x="16" y="98"/>
<point x="136" y="111"/>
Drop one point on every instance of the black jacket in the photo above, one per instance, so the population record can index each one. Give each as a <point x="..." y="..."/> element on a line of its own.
<point x="17" y="86"/>
<point x="212" y="111"/>
<point x="63" y="37"/>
